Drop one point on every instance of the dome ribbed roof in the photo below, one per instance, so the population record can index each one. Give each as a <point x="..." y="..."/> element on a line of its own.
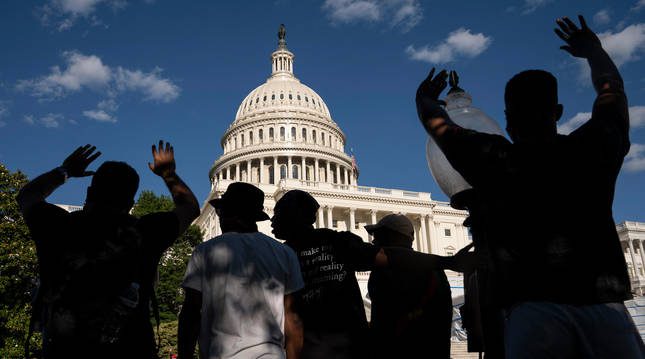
<point x="282" y="93"/>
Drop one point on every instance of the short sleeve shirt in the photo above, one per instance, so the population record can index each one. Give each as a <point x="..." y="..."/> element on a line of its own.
<point x="243" y="278"/>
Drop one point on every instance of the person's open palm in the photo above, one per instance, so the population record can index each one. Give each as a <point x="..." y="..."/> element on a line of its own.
<point x="76" y="163"/>
<point x="581" y="42"/>
<point x="163" y="159"/>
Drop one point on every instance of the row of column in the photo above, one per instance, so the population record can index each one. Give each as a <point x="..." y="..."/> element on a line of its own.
<point x="632" y="253"/>
<point x="341" y="173"/>
<point x="425" y="229"/>
<point x="275" y="133"/>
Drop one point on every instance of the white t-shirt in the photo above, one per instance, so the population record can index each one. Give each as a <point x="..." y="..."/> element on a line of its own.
<point x="243" y="278"/>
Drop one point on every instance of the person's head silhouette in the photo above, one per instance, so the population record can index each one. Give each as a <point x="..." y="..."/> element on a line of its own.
<point x="240" y="207"/>
<point x="532" y="107"/>
<point x="293" y="214"/>
<point x="113" y="186"/>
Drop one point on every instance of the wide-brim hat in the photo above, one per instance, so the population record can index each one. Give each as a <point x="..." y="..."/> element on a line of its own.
<point x="242" y="199"/>
<point x="396" y="222"/>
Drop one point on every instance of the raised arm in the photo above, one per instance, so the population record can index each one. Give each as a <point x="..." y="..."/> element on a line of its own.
<point x="75" y="165"/>
<point x="189" y="323"/>
<point x="583" y="43"/>
<point x="432" y="115"/>
<point x="186" y="205"/>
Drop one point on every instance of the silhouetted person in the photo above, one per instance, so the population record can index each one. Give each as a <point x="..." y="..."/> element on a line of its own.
<point x="330" y="305"/>
<point x="411" y="310"/>
<point x="97" y="265"/>
<point x="239" y="287"/>
<point x="555" y="254"/>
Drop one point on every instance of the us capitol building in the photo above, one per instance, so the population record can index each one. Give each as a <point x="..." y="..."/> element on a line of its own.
<point x="284" y="137"/>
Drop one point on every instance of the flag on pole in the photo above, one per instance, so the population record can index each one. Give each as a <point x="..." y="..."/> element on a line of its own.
<point x="354" y="164"/>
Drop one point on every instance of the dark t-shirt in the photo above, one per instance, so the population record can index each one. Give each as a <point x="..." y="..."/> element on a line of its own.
<point x="411" y="313"/>
<point x="331" y="302"/>
<point x="548" y="216"/>
<point x="78" y="240"/>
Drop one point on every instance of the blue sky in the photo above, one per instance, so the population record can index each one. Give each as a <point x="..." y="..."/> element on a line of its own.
<point x="122" y="74"/>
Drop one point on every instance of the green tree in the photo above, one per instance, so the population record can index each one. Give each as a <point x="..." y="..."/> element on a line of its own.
<point x="172" y="266"/>
<point x="18" y="268"/>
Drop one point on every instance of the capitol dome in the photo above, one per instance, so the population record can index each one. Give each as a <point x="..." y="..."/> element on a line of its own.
<point x="283" y="130"/>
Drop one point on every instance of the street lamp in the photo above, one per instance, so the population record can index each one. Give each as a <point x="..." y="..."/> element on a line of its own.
<point x="485" y="332"/>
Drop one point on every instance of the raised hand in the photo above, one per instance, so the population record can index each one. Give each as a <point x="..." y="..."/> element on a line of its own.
<point x="163" y="160"/>
<point x="428" y="94"/>
<point x="580" y="42"/>
<point x="76" y="163"/>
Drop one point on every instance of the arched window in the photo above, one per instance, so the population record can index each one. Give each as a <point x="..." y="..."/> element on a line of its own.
<point x="273" y="97"/>
<point x="322" y="138"/>
<point x="242" y="140"/>
<point x="257" y="99"/>
<point x="293" y="133"/>
<point x="329" y="140"/>
<point x="306" y="99"/>
<point x="294" y="171"/>
<point x="260" y="135"/>
<point x="281" y="96"/>
<point x="282" y="134"/>
<point x="283" y="171"/>
<point x="235" y="142"/>
<point x="250" y="137"/>
<point x="298" y="97"/>
<point x="290" y="97"/>
<point x="313" y="136"/>
<point x="271" y="175"/>
<point x="271" y="134"/>
<point x="264" y="98"/>
<point x="304" y="134"/>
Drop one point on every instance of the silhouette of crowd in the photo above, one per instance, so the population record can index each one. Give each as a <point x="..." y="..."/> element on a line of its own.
<point x="539" y="290"/>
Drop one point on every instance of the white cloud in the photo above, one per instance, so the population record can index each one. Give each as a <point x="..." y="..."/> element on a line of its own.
<point x="602" y="17"/>
<point x="90" y="72"/>
<point x="639" y="5"/>
<point x="151" y="84"/>
<point x="99" y="115"/>
<point x="81" y="71"/>
<point x="530" y="6"/>
<point x="63" y="14"/>
<point x="624" y="46"/>
<point x="51" y="120"/>
<point x="635" y="159"/>
<point x="4" y="111"/>
<point x="460" y="42"/>
<point x="29" y="119"/>
<point x="404" y="14"/>
<point x="636" y="120"/>
<point x="108" y="105"/>
<point x="574" y="122"/>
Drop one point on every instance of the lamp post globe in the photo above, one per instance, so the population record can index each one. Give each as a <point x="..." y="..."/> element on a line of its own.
<point x="460" y="109"/>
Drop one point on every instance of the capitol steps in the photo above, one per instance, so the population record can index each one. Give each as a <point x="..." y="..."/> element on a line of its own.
<point x="636" y="308"/>
<point x="459" y="350"/>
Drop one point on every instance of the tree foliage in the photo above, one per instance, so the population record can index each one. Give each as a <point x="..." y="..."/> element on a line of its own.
<point x="18" y="268"/>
